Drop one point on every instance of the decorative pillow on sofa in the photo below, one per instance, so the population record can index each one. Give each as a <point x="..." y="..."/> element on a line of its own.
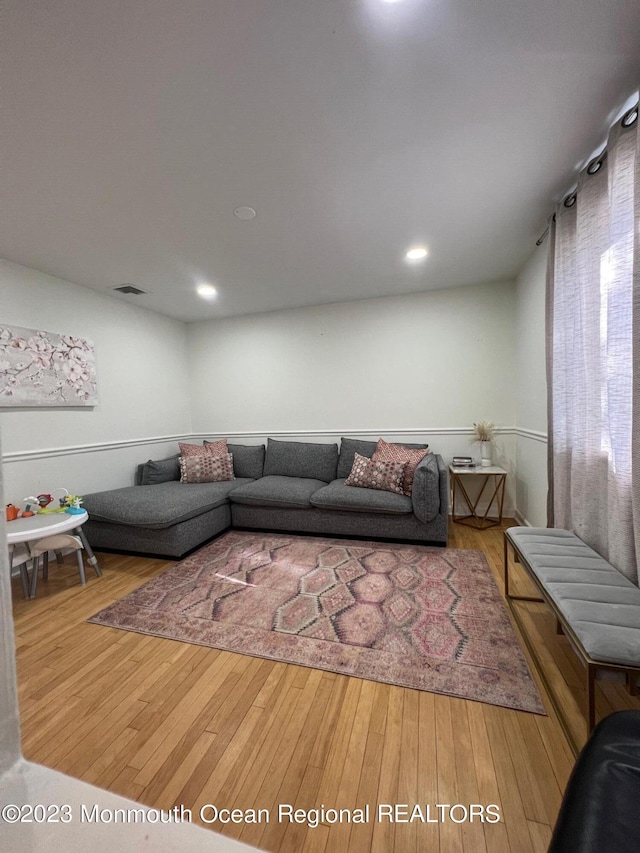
<point x="248" y="459"/>
<point x="411" y="458"/>
<point x="206" y="468"/>
<point x="215" y="448"/>
<point x="372" y="474"/>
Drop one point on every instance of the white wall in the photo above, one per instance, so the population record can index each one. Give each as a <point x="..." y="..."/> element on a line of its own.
<point x="531" y="391"/>
<point x="143" y="390"/>
<point x="424" y="365"/>
<point x="416" y="367"/>
<point x="439" y="359"/>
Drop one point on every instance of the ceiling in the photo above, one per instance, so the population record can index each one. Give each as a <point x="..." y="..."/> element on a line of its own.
<point x="132" y="129"/>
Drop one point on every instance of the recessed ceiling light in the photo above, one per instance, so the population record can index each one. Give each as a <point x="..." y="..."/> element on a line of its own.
<point x="207" y="291"/>
<point x="244" y="213"/>
<point x="417" y="253"/>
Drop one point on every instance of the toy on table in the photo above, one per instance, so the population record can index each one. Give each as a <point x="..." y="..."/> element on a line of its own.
<point x="11" y="512"/>
<point x="40" y="502"/>
<point x="45" y="499"/>
<point x="44" y="502"/>
<point x="27" y="512"/>
<point x="72" y="504"/>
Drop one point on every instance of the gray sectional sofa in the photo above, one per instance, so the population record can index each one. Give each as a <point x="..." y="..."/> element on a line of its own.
<point x="291" y="486"/>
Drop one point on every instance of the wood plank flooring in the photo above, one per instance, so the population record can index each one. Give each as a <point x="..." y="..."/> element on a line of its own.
<point x="169" y="723"/>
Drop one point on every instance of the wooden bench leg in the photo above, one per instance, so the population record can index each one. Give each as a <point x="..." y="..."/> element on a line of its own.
<point x="591" y="698"/>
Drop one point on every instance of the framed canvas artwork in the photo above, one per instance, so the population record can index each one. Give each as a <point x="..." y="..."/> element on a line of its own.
<point x="45" y="369"/>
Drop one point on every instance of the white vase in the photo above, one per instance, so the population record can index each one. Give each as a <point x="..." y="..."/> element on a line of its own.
<point x="485" y="454"/>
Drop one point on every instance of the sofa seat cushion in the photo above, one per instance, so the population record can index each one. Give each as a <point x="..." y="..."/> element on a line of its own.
<point x="356" y="499"/>
<point x="157" y="506"/>
<point x="277" y="491"/>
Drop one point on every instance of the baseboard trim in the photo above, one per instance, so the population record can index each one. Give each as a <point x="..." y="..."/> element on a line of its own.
<point x="522" y="521"/>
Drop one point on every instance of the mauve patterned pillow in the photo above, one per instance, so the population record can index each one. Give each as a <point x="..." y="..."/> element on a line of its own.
<point x="410" y="457"/>
<point x="206" y="468"/>
<point x="372" y="474"/>
<point x="215" y="448"/>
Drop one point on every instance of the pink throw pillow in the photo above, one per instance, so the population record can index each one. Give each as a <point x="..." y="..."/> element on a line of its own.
<point x="206" y="468"/>
<point x="371" y="474"/>
<point x="410" y="456"/>
<point x="218" y="447"/>
<point x="215" y="448"/>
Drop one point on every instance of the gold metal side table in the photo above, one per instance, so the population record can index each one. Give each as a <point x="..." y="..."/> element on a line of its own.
<point x="493" y="475"/>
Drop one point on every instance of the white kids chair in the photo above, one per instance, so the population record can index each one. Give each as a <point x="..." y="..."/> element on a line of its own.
<point x="19" y="556"/>
<point x="55" y="543"/>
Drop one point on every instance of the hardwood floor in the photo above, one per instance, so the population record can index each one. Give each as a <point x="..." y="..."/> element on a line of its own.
<point x="169" y="723"/>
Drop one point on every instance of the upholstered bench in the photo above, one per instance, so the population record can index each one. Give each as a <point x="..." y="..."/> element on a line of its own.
<point x="596" y="606"/>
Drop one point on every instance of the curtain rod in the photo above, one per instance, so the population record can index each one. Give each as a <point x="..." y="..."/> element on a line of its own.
<point x="540" y="239"/>
<point x="626" y="120"/>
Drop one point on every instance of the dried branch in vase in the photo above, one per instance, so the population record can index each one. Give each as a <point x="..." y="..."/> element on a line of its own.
<point x="483" y="431"/>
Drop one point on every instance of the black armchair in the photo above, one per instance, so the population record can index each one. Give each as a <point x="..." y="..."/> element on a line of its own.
<point x="601" y="806"/>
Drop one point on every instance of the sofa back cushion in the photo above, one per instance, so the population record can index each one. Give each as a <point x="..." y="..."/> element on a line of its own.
<point x="301" y="459"/>
<point x="248" y="459"/>
<point x="348" y="449"/>
<point x="158" y="471"/>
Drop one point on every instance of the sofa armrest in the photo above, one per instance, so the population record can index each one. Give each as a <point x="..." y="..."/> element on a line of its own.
<point x="430" y="490"/>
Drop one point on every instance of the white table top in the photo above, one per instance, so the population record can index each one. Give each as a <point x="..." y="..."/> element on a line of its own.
<point x="44" y="524"/>
<point x="490" y="469"/>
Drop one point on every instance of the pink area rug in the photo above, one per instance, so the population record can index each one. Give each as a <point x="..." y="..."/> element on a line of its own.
<point x="427" y="618"/>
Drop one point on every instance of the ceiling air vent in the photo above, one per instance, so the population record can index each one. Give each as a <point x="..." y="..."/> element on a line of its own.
<point x="129" y="288"/>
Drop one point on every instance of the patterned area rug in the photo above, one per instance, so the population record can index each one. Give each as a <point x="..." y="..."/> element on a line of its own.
<point x="427" y="618"/>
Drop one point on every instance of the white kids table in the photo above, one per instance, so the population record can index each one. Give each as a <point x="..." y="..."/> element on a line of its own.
<point x="40" y="525"/>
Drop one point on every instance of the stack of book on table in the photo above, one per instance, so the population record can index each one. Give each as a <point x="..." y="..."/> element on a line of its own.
<point x="463" y="462"/>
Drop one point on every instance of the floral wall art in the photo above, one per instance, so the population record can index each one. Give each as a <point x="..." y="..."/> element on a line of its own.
<point x="45" y="369"/>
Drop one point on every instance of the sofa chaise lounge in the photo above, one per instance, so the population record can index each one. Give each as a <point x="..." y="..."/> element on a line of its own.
<point x="291" y="486"/>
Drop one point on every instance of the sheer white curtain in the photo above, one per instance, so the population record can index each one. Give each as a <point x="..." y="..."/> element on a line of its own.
<point x="594" y="354"/>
